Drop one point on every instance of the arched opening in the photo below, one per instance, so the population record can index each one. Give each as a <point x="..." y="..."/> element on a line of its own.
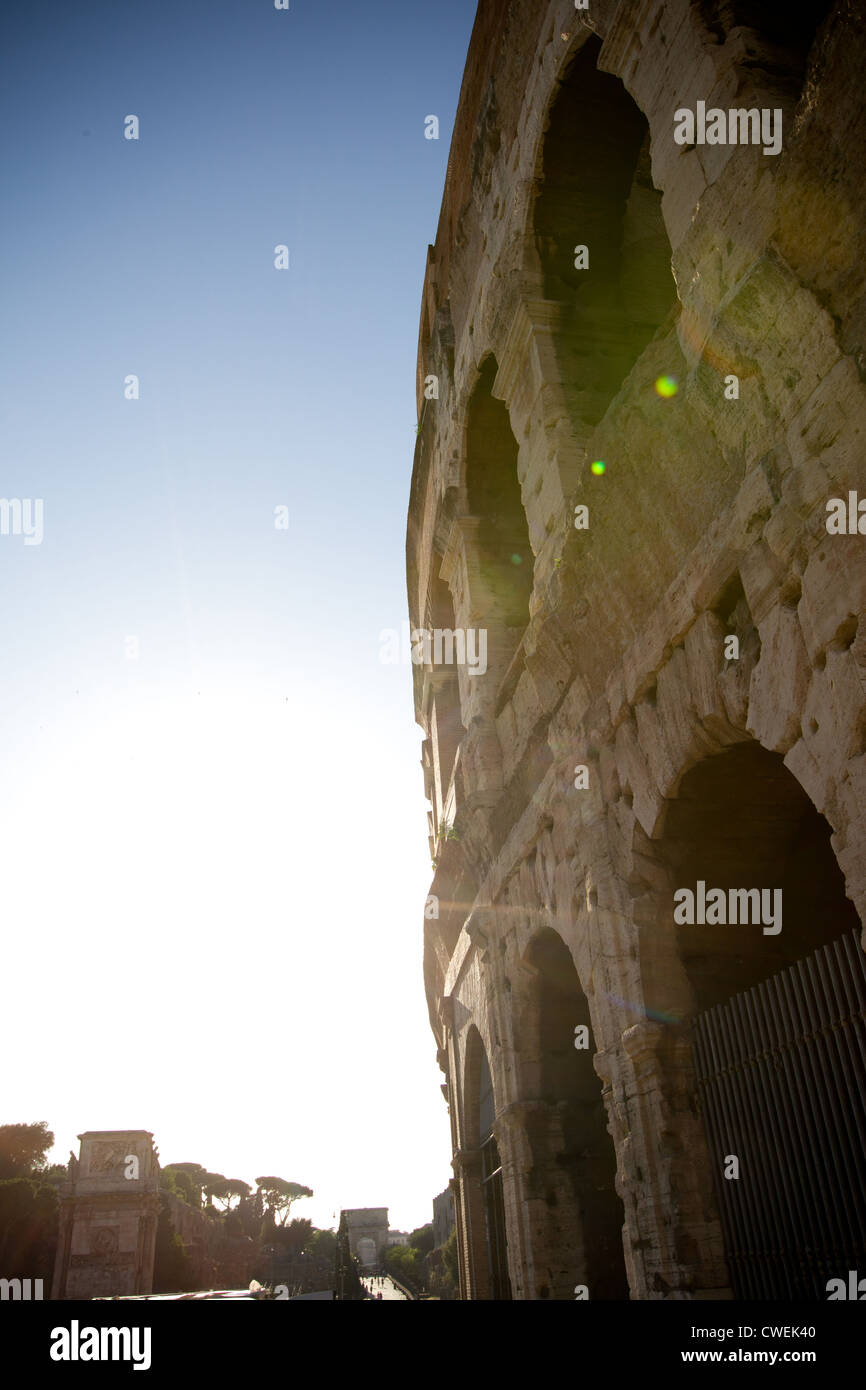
<point x="595" y="190"/>
<point x="769" y="943"/>
<point x="788" y="31"/>
<point x="367" y="1251"/>
<point x="484" y="1196"/>
<point x="491" y="1188"/>
<point x="741" y="820"/>
<point x="504" y="557"/>
<point x="574" y="1169"/>
<point x="446" y="727"/>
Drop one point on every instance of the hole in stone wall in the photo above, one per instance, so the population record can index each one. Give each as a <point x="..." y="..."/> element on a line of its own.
<point x="733" y="612"/>
<point x="789" y="28"/>
<point x="590" y="1214"/>
<point x="729" y="599"/>
<point x="506" y="561"/>
<point x="486" y="1198"/>
<point x="844" y="637"/>
<point x="446" y="727"/>
<point x="742" y="820"/>
<point x="596" y="190"/>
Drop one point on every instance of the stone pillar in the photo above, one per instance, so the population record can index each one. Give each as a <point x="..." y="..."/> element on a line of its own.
<point x="674" y="1245"/>
<point x="537" y="1185"/>
<point x="511" y="1143"/>
<point x="460" y="1222"/>
<point x="109" y="1208"/>
<point x="473" y="1248"/>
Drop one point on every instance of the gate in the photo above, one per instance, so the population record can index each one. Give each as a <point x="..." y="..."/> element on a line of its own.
<point x="782" y="1085"/>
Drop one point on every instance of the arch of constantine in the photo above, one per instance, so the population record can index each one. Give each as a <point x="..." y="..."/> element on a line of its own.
<point x="641" y="452"/>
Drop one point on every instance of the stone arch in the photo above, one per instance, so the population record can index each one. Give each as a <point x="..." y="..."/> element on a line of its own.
<point x="708" y="835"/>
<point x="717" y="802"/>
<point x="484" y="1247"/>
<point x="721" y="805"/>
<point x="488" y="565"/>
<point x="367" y="1253"/>
<point x="574" y="1211"/>
<point x="471" y="1088"/>
<point x="594" y="189"/>
<point x="503" y="556"/>
<point x="446" y="726"/>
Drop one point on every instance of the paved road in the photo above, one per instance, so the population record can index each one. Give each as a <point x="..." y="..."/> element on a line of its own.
<point x="387" y="1288"/>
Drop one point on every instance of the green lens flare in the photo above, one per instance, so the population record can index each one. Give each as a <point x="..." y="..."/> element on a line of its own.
<point x="666" y="386"/>
<point x="598" y="467"/>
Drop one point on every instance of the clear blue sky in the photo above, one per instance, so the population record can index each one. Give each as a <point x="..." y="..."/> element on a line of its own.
<point x="215" y="857"/>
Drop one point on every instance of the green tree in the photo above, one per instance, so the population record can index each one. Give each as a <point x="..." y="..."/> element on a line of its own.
<point x="168" y="1182"/>
<point x="278" y="1196"/>
<point x="172" y="1267"/>
<point x="323" y="1244"/>
<point x="23" y="1149"/>
<point x="187" y="1180"/>
<point x="405" y="1262"/>
<point x="232" y="1189"/>
<point x="294" y="1237"/>
<point x="213" y="1186"/>
<point x="449" y="1257"/>
<point x="28" y="1228"/>
<point x="422" y="1238"/>
<point x="248" y="1214"/>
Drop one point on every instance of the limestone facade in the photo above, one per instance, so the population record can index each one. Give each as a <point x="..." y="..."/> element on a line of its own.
<point x="443" y="1217"/>
<point x="739" y="275"/>
<point x="109" y="1207"/>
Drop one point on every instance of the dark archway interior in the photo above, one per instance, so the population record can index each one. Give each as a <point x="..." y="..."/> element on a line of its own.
<point x="779" y="1070"/>
<point x="486" y="1110"/>
<point x="742" y="820"/>
<point x="596" y="190"/>
<point x="493" y="494"/>
<point x="446" y="726"/>
<point x="568" y="1081"/>
<point x="480" y="1117"/>
<point x="789" y="28"/>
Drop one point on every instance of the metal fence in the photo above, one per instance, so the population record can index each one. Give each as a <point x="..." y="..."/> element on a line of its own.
<point x="782" y="1085"/>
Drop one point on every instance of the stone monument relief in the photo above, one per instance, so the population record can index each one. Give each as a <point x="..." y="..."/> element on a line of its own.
<point x="109" y="1207"/>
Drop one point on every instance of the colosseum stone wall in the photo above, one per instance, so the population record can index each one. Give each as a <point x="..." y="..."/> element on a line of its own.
<point x="633" y="525"/>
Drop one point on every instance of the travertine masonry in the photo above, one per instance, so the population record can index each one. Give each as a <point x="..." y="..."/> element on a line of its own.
<point x="741" y="275"/>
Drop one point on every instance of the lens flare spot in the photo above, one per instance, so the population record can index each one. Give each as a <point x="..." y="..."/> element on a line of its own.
<point x="666" y="386"/>
<point x="517" y="559"/>
<point x="598" y="467"/>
